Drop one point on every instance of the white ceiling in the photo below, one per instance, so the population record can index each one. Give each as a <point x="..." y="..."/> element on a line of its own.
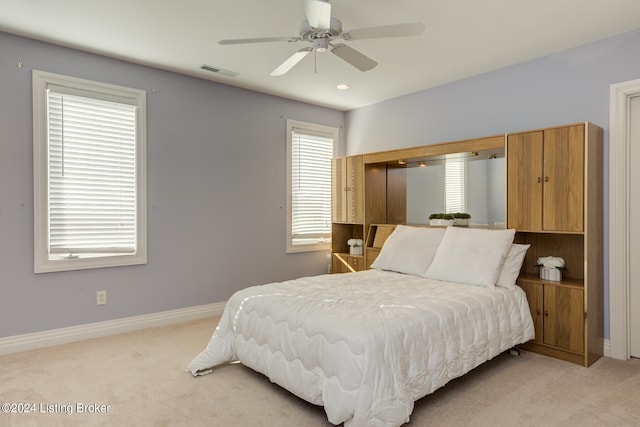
<point x="462" y="38"/>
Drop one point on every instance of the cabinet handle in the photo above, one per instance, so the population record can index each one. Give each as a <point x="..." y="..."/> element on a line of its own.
<point x="538" y="312"/>
<point x="546" y="179"/>
<point x="539" y="180"/>
<point x="546" y="312"/>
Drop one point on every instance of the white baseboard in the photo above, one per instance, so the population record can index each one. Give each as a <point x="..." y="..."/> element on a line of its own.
<point x="607" y="348"/>
<point x="18" y="343"/>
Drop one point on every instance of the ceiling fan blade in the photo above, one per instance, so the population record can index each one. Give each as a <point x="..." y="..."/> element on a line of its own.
<point x="353" y="57"/>
<point x="291" y="62"/>
<point x="318" y="14"/>
<point x="395" y="30"/>
<point x="260" y="40"/>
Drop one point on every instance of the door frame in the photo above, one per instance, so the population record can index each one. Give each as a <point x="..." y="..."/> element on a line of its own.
<point x="619" y="183"/>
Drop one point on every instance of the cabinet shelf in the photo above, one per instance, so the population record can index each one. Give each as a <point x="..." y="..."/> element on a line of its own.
<point x="554" y="201"/>
<point x="347" y="254"/>
<point x="341" y="233"/>
<point x="565" y="282"/>
<point x="347" y="212"/>
<point x="343" y="262"/>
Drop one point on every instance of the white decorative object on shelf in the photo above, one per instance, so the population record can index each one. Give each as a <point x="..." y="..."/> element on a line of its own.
<point x="550" y="268"/>
<point x="441" y="222"/>
<point x="356" y="246"/>
<point x="461" y="219"/>
<point x="550" y="274"/>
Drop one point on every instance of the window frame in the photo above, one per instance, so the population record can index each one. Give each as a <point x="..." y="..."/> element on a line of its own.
<point x="313" y="129"/>
<point x="43" y="262"/>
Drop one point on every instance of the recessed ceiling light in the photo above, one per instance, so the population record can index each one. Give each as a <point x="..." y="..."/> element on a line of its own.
<point x="343" y="86"/>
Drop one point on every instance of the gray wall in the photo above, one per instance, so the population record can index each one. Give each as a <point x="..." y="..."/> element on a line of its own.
<point x="216" y="195"/>
<point x="568" y="87"/>
<point x="216" y="170"/>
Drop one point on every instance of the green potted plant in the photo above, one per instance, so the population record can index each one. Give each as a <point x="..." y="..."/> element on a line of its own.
<point x="461" y="218"/>
<point x="441" y="219"/>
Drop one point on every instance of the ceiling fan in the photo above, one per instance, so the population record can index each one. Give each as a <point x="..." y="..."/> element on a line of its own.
<point x="321" y="29"/>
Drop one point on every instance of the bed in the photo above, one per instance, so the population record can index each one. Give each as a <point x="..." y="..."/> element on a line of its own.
<point x="366" y="345"/>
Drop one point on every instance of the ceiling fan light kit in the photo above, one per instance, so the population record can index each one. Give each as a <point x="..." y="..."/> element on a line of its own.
<point x="320" y="29"/>
<point x="320" y="45"/>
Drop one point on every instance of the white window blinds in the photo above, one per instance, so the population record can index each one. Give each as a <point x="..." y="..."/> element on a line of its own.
<point x="311" y="156"/>
<point x="455" y="186"/>
<point x="92" y="175"/>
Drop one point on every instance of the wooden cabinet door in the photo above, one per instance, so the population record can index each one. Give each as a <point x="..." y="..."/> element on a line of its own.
<point x="355" y="189"/>
<point x="339" y="264"/>
<point x="545" y="180"/>
<point x="534" y="293"/>
<point x="563" y="190"/>
<point x="357" y="262"/>
<point x="347" y="189"/>
<point x="345" y="263"/>
<point x="338" y="184"/>
<point x="564" y="317"/>
<point x="524" y="181"/>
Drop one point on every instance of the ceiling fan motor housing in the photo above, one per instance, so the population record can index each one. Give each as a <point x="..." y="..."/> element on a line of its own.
<point x="307" y="32"/>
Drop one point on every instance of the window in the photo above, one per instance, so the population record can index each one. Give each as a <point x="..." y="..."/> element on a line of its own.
<point x="310" y="149"/>
<point x="89" y="174"/>
<point x="454" y="199"/>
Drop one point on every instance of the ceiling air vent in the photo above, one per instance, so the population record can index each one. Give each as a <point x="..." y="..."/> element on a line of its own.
<point x="219" y="70"/>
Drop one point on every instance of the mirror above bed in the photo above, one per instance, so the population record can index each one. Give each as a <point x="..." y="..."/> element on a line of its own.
<point x="463" y="176"/>
<point x="473" y="183"/>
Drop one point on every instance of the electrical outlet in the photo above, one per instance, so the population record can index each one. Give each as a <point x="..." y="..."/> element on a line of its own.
<point x="101" y="297"/>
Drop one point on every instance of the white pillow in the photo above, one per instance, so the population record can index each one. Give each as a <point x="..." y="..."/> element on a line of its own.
<point x="511" y="266"/>
<point x="472" y="256"/>
<point x="409" y="250"/>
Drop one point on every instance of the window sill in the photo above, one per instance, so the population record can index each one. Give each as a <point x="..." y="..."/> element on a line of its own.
<point x="85" y="262"/>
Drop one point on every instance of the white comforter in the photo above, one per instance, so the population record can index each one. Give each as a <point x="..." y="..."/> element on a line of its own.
<point x="366" y="345"/>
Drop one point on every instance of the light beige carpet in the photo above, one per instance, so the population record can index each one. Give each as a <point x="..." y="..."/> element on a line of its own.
<point x="139" y="379"/>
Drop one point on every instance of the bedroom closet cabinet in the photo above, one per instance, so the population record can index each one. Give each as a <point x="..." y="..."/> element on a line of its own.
<point x="558" y="316"/>
<point x="347" y="212"/>
<point x="545" y="173"/>
<point x="554" y="201"/>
